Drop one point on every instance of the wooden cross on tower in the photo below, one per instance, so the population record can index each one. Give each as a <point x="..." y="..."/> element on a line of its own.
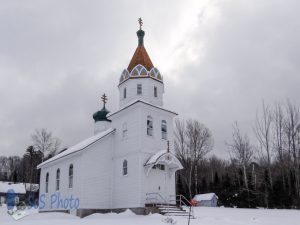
<point x="140" y="22"/>
<point x="104" y="99"/>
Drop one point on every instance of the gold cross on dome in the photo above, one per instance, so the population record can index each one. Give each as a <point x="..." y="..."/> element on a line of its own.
<point x="140" y="22"/>
<point x="104" y="99"/>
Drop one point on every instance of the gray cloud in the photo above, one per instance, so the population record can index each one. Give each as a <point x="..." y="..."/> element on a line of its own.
<point x="219" y="60"/>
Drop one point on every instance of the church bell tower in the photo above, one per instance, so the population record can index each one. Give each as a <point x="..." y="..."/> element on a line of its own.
<point x="141" y="80"/>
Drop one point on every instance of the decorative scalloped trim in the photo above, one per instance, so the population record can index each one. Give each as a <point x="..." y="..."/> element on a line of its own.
<point x="140" y="71"/>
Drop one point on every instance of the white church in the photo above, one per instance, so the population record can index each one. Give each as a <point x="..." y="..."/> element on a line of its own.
<point x="129" y="162"/>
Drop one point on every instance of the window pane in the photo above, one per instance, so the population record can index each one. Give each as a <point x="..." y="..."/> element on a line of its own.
<point x="149" y="126"/>
<point x="155" y="92"/>
<point x="125" y="167"/>
<point x="71" y="176"/>
<point x="163" y="129"/>
<point x="124" y="93"/>
<point x="57" y="179"/>
<point x="139" y="89"/>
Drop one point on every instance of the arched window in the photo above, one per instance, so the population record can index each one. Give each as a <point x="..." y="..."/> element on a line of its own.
<point x="164" y="129"/>
<point x="139" y="89"/>
<point x="124" y="132"/>
<point x="57" y="179"/>
<point x="155" y="91"/>
<point x="124" y="93"/>
<point x="71" y="176"/>
<point x="125" y="167"/>
<point x="149" y="126"/>
<point x="47" y="182"/>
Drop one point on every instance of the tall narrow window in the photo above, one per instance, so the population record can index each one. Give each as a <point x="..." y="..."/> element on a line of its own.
<point x="164" y="129"/>
<point x="124" y="133"/>
<point x="139" y="89"/>
<point x="124" y="93"/>
<point x="125" y="167"/>
<point x="155" y="92"/>
<point x="71" y="176"/>
<point x="149" y="126"/>
<point x="57" y="179"/>
<point x="47" y="182"/>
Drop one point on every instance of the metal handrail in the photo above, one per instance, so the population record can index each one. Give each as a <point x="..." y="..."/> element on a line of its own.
<point x="155" y="198"/>
<point x="187" y="203"/>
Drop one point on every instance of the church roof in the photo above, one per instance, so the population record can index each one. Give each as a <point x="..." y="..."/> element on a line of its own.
<point x="141" y="57"/>
<point x="140" y="65"/>
<point x="19" y="188"/>
<point x="80" y="146"/>
<point x="205" y="197"/>
<point x="163" y="156"/>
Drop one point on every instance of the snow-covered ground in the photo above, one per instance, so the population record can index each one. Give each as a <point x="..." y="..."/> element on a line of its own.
<point x="205" y="216"/>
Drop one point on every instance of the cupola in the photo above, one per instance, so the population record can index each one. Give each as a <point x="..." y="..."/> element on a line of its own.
<point x="100" y="117"/>
<point x="140" y="65"/>
<point x="141" y="80"/>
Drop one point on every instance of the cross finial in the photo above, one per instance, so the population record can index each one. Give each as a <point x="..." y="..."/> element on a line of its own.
<point x="140" y="22"/>
<point x="104" y="99"/>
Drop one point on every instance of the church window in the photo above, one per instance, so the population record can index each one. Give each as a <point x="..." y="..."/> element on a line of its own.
<point x="125" y="167"/>
<point x="47" y="182"/>
<point x="155" y="92"/>
<point x="139" y="89"/>
<point x="71" y="176"/>
<point x="164" y="129"/>
<point x="149" y="126"/>
<point x="143" y="72"/>
<point x="135" y="72"/>
<point x="57" y="179"/>
<point x="124" y="93"/>
<point x="159" y="167"/>
<point x="158" y="76"/>
<point x="124" y="132"/>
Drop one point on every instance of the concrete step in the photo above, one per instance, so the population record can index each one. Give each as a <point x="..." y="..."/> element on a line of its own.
<point x="172" y="209"/>
<point x="177" y="214"/>
<point x="167" y="206"/>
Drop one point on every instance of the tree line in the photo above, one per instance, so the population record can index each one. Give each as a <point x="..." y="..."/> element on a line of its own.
<point x="263" y="172"/>
<point x="23" y="168"/>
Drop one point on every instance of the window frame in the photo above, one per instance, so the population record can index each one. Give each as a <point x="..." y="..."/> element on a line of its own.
<point x="125" y="167"/>
<point x="149" y="126"/>
<point x="164" y="130"/>
<point x="57" y="183"/>
<point x="124" y="93"/>
<point x="71" y="176"/>
<point x="155" y="92"/>
<point x="139" y="89"/>
<point x="47" y="183"/>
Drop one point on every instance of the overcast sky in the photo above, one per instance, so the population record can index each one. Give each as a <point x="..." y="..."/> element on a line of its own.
<point x="219" y="60"/>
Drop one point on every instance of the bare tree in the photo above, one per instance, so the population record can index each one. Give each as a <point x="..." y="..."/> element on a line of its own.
<point x="292" y="129"/>
<point x="193" y="140"/>
<point x="279" y="141"/>
<point x="241" y="151"/>
<point x="44" y="142"/>
<point x="263" y="132"/>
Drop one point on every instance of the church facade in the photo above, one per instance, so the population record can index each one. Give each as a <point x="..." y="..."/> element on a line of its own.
<point x="129" y="162"/>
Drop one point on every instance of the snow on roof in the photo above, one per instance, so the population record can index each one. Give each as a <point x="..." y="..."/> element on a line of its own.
<point x="171" y="159"/>
<point x="205" y="197"/>
<point x="137" y="101"/>
<point x="80" y="146"/>
<point x="155" y="157"/>
<point x="18" y="188"/>
<point x="31" y="187"/>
